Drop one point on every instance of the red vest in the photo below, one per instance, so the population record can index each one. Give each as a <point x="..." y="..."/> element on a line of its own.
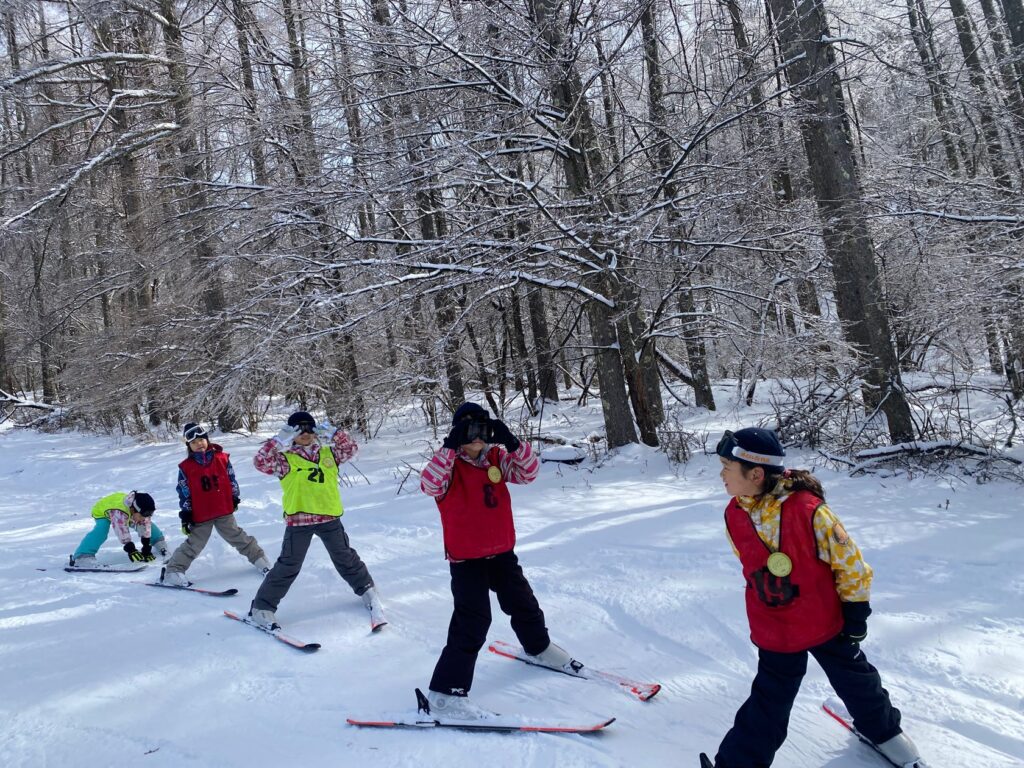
<point x="476" y="514"/>
<point x="795" y="612"/>
<point x="209" y="486"/>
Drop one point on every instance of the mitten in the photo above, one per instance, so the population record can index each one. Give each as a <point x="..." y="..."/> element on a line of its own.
<point x="855" y="621"/>
<point x="147" y="550"/>
<point x="186" y="521"/>
<point x="500" y="433"/>
<point x="456" y="436"/>
<point x="286" y="436"/>
<point x="325" y="431"/>
<point x="133" y="554"/>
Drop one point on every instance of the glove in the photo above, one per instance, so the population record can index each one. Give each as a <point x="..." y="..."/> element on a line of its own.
<point x="456" y="437"/>
<point x="235" y="501"/>
<point x="133" y="554"/>
<point x="147" y="550"/>
<point x="186" y="521"/>
<point x="855" y="621"/>
<point x="502" y="434"/>
<point x="325" y="431"/>
<point x="286" y="436"/>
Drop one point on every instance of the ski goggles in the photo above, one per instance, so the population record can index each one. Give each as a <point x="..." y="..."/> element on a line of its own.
<point x="194" y="433"/>
<point x="478" y="429"/>
<point x="729" y="448"/>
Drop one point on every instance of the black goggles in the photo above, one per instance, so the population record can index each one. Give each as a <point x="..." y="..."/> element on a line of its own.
<point x="306" y="427"/>
<point x="478" y="429"/>
<point x="194" y="433"/>
<point x="726" y="444"/>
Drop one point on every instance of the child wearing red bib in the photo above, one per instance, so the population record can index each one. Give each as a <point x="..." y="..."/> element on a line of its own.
<point x="468" y="478"/>
<point x="807" y="593"/>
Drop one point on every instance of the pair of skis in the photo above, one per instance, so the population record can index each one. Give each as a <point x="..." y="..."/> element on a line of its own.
<point x="499" y="724"/>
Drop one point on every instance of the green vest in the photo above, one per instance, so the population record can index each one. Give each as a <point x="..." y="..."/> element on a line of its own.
<point x="102" y="507"/>
<point x="312" y="488"/>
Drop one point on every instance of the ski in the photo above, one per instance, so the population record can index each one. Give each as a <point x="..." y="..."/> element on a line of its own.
<point x="276" y="633"/>
<point x="643" y="691"/>
<point x="105" y="569"/>
<point x="200" y="590"/>
<point x="705" y="761"/>
<point x="831" y="712"/>
<point x="498" y="724"/>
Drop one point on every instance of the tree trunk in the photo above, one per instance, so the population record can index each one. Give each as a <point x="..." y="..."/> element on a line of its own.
<point x="803" y="34"/>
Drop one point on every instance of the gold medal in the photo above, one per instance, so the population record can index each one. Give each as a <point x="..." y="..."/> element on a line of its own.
<point x="494" y="474"/>
<point x="779" y="564"/>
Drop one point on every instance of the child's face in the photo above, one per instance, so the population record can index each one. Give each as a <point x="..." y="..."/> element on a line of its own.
<point x="137" y="518"/>
<point x="197" y="445"/>
<point x="473" y="449"/>
<point x="738" y="484"/>
<point x="305" y="438"/>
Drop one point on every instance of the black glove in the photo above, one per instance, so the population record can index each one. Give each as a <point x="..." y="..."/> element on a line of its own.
<point x="456" y="437"/>
<point x="186" y="521"/>
<point x="133" y="554"/>
<point x="234" y="503"/>
<point x="855" y="621"/>
<point x="502" y="434"/>
<point x="147" y="550"/>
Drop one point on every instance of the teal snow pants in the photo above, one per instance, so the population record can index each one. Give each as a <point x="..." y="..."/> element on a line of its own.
<point x="94" y="539"/>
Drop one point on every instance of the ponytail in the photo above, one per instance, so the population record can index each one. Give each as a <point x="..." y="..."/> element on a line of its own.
<point x="802" y="480"/>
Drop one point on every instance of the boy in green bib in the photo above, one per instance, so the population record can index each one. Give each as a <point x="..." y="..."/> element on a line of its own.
<point x="304" y="457"/>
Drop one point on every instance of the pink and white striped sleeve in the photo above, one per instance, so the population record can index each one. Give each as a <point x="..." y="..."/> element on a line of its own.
<point x="270" y="461"/>
<point x="521" y="466"/>
<point x="437" y="475"/>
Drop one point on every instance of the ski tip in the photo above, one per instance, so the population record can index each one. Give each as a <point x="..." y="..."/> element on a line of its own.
<point x="231" y="591"/>
<point x="378" y="627"/>
<point x="646" y="694"/>
<point x="372" y="723"/>
<point x="705" y="761"/>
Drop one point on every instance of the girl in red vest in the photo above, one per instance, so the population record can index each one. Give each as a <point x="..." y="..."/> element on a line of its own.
<point x="468" y="479"/>
<point x="208" y="496"/>
<point x="807" y="593"/>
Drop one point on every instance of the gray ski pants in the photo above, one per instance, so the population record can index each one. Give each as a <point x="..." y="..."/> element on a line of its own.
<point x="197" y="540"/>
<point x="293" y="552"/>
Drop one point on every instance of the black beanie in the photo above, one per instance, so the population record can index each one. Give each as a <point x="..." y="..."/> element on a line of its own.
<point x="143" y="503"/>
<point x="755" y="447"/>
<point x="301" y="417"/>
<point x="469" y="411"/>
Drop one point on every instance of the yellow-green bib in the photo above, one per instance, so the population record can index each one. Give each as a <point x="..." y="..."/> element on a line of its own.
<point x="102" y="507"/>
<point x="312" y="488"/>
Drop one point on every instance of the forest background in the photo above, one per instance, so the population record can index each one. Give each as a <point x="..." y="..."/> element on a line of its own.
<point x="351" y="203"/>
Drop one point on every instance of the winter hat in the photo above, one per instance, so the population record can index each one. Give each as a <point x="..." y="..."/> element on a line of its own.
<point x="754" y="447"/>
<point x="469" y="411"/>
<point x="193" y="431"/>
<point x="143" y="503"/>
<point x="303" y="420"/>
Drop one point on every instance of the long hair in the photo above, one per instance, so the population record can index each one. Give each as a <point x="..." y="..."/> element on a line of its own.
<point x="798" y="480"/>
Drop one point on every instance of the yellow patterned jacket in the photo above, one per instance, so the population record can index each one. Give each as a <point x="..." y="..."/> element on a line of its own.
<point x="835" y="546"/>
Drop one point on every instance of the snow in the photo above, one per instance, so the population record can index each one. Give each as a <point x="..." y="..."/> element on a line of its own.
<point x="628" y="558"/>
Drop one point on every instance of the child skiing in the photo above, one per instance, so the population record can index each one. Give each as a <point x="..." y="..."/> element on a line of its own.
<point x="807" y="593"/>
<point x="468" y="478"/>
<point x="208" y="496"/>
<point x="122" y="511"/>
<point x="305" y="458"/>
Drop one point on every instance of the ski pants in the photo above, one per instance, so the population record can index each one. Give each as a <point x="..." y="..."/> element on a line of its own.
<point x="101" y="529"/>
<point x="472" y="583"/>
<point x="199" y="536"/>
<point x="293" y="552"/>
<point x="761" y="723"/>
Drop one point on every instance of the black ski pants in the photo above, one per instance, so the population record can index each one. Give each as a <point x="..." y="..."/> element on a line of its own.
<point x="762" y="722"/>
<point x="472" y="583"/>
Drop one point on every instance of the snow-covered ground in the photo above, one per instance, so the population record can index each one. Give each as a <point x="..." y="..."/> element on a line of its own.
<point x="628" y="559"/>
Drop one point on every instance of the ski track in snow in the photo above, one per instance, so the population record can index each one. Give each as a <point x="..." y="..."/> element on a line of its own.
<point x="629" y="561"/>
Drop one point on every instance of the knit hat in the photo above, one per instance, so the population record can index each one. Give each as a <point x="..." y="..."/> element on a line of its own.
<point x="143" y="503"/>
<point x="753" y="446"/>
<point x="469" y="411"/>
<point x="193" y="431"/>
<point x="303" y="420"/>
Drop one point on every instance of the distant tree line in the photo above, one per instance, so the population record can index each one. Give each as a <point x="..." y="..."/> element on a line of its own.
<point x="350" y="202"/>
